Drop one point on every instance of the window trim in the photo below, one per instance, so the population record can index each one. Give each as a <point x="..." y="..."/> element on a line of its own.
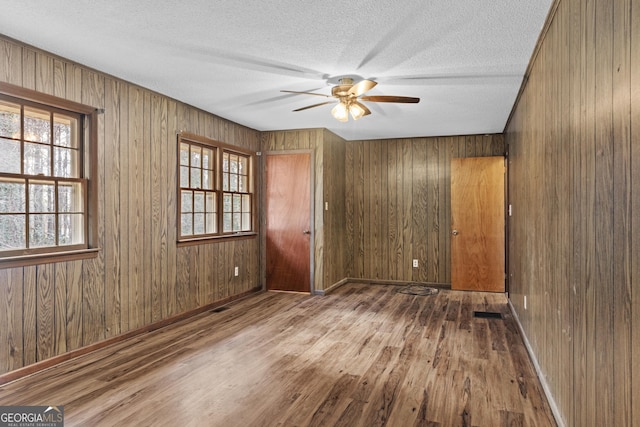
<point x="88" y="161"/>
<point x="219" y="148"/>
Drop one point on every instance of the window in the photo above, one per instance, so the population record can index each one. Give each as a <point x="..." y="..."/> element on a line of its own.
<point x="215" y="189"/>
<point x="236" y="196"/>
<point x="43" y="203"/>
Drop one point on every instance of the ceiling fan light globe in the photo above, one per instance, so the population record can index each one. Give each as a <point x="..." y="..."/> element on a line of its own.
<point x="340" y="112"/>
<point x="356" y="111"/>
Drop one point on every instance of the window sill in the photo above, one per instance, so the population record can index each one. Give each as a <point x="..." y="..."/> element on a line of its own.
<point x="47" y="258"/>
<point x="213" y="239"/>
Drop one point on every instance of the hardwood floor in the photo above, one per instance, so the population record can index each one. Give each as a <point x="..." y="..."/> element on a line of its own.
<point x="365" y="355"/>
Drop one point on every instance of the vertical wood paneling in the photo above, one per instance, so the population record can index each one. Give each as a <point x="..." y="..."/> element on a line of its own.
<point x="134" y="211"/>
<point x="45" y="306"/>
<point x="402" y="187"/>
<point x="433" y="191"/>
<point x="28" y="68"/>
<point x="74" y="305"/>
<point x="133" y="281"/>
<point x="169" y="184"/>
<point x="572" y="175"/>
<point x="113" y="233"/>
<point x="11" y="319"/>
<point x="29" y="319"/>
<point x="634" y="74"/>
<point x="60" y="308"/>
<point x="44" y="73"/>
<point x="423" y="213"/>
<point x="158" y="203"/>
<point x="147" y="229"/>
<point x="622" y="216"/>
<point x="11" y="69"/>
<point x="59" y="78"/>
<point x="93" y="269"/>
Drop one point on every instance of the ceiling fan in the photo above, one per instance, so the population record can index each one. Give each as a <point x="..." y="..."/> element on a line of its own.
<point x="349" y="96"/>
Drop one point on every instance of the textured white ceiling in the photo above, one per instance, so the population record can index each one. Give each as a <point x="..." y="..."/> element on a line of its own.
<point x="465" y="59"/>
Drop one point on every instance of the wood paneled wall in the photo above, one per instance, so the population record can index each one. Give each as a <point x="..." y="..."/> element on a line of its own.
<point x="397" y="205"/>
<point x="328" y="228"/>
<point x="140" y="275"/>
<point x="574" y="184"/>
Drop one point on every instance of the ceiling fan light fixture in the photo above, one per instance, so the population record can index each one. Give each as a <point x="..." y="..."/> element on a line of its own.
<point x="340" y="112"/>
<point x="356" y="111"/>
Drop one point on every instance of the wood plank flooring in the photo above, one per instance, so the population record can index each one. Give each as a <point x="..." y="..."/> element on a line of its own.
<point x="365" y="355"/>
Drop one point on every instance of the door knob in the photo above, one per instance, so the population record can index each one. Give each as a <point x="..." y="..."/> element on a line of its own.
<point x="454" y="232"/>
<point x="306" y="232"/>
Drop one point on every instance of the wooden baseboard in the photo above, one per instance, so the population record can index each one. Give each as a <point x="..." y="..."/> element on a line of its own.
<point x="332" y="287"/>
<point x="44" y="364"/>
<point x="536" y="365"/>
<point x="379" y="282"/>
<point x="400" y="283"/>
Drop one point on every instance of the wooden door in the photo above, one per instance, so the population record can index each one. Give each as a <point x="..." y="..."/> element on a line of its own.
<point x="478" y="224"/>
<point x="288" y="259"/>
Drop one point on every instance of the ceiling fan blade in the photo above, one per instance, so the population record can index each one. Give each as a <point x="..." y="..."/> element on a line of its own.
<point x="314" y="105"/>
<point x="362" y="87"/>
<point x="364" y="107"/>
<point x="306" y="93"/>
<point x="400" y="99"/>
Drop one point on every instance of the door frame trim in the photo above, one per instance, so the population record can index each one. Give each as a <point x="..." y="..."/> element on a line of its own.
<point x="312" y="215"/>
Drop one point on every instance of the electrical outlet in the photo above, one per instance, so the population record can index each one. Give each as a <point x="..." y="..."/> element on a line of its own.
<point x="235" y="271"/>
<point x="415" y="263"/>
<point x="525" y="302"/>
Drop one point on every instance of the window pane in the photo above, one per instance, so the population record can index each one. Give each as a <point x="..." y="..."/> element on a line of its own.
<point x="233" y="164"/>
<point x="207" y="179"/>
<point x="184" y="154"/>
<point x="184" y="176"/>
<point x="70" y="197"/>
<point x="242" y="184"/>
<point x="37" y="159"/>
<point x="233" y="183"/>
<point x="237" y="203"/>
<point x="41" y="197"/>
<point x="187" y="201"/>
<point x="195" y="178"/>
<point x="10" y="158"/>
<point x="196" y="156"/>
<point x="237" y="221"/>
<point x="12" y="197"/>
<point x="226" y="200"/>
<point x="207" y="158"/>
<point x="243" y="167"/>
<point x="211" y="203"/>
<point x="246" y="221"/>
<point x="70" y="229"/>
<point x="198" y="223"/>
<point x="42" y="230"/>
<point x="225" y="162"/>
<point x="65" y="131"/>
<point x="246" y="203"/>
<point x="12" y="232"/>
<point x="9" y="120"/>
<point x="198" y="201"/>
<point x="211" y="223"/>
<point x="65" y="163"/>
<point x="225" y="182"/>
<point x="186" y="220"/>
<point x="37" y="125"/>
<point x="226" y="222"/>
